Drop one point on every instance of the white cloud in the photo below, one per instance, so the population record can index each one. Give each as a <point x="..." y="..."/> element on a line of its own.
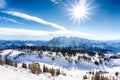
<point x="53" y="1"/>
<point x="73" y="33"/>
<point x="33" y="18"/>
<point x="59" y="2"/>
<point x="56" y="1"/>
<point x="13" y="31"/>
<point x="2" y="4"/>
<point x="61" y="32"/>
<point x="9" y="20"/>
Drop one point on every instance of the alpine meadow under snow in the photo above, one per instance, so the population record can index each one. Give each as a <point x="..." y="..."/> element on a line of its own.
<point x="59" y="39"/>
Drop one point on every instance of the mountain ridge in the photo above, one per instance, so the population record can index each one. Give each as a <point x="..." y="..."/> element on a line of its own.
<point x="63" y="41"/>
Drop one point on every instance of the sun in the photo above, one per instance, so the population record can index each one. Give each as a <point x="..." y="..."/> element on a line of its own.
<point x="80" y="10"/>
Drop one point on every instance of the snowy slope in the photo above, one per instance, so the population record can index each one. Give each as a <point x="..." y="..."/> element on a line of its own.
<point x="11" y="73"/>
<point x="47" y="59"/>
<point x="73" y="71"/>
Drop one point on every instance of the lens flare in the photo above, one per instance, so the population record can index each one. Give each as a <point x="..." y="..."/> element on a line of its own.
<point x="80" y="10"/>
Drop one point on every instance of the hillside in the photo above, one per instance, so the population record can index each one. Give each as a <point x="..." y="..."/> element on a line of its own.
<point x="71" y="67"/>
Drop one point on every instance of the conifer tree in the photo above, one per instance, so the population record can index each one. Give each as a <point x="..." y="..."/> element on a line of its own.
<point x="8" y="62"/>
<point x="16" y="64"/>
<point x="84" y="77"/>
<point x="35" y="68"/>
<point x="52" y="71"/>
<point x="1" y="61"/>
<point x="24" y="65"/>
<point x="38" y="69"/>
<point x="58" y="72"/>
<point x="44" y="70"/>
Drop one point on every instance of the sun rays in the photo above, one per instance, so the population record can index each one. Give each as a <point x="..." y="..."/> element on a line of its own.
<point x="80" y="10"/>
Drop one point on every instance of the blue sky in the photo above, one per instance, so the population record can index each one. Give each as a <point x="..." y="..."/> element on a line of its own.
<point x="45" y="19"/>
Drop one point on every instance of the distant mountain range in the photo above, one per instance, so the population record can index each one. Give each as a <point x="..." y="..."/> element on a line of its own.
<point x="112" y="45"/>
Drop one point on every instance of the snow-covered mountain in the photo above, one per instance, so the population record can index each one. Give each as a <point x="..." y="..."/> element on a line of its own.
<point x="18" y="43"/>
<point x="70" y="42"/>
<point x="111" y="45"/>
<point x="63" y="41"/>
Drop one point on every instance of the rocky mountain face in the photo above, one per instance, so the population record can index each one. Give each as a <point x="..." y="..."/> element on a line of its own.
<point x="65" y="42"/>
